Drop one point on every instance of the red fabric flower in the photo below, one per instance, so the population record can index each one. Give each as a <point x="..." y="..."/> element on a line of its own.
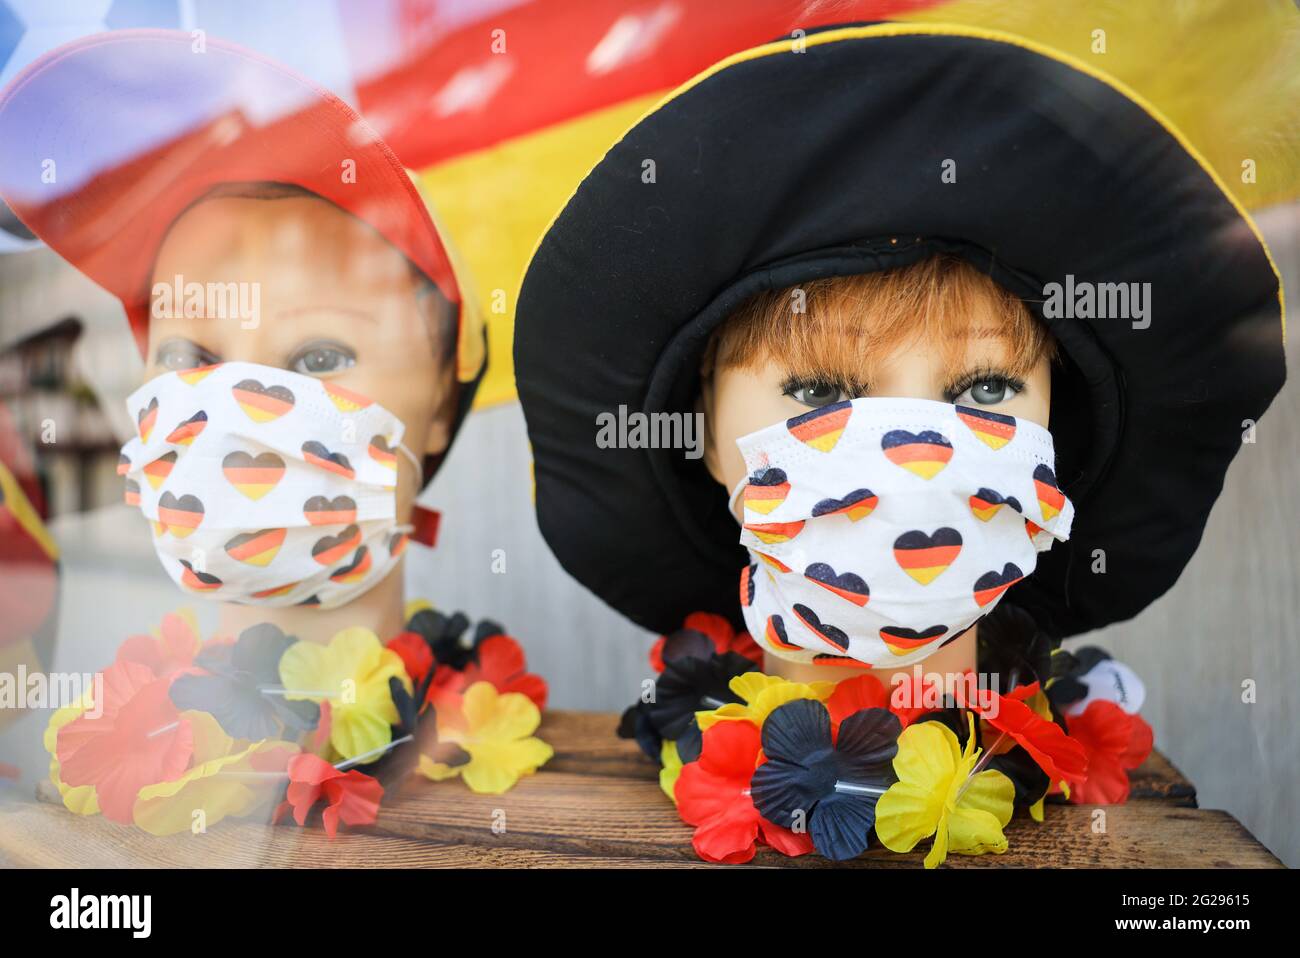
<point x="912" y="697"/>
<point x="718" y="631"/>
<point x="1056" y="753"/>
<point x="713" y="795"/>
<point x="353" y="797"/>
<point x="1115" y="741"/>
<point x="500" y="661"/>
<point x="853" y="695"/>
<point x="140" y="739"/>
<point x="414" y="653"/>
<point x="170" y="652"/>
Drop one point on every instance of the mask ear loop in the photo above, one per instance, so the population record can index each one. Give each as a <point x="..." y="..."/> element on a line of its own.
<point x="735" y="495"/>
<point x="415" y="464"/>
<point x="424" y="524"/>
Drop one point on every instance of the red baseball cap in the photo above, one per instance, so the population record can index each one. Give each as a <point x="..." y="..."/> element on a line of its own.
<point x="106" y="140"/>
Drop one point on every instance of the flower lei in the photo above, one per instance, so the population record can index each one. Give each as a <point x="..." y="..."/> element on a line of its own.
<point x="267" y="726"/>
<point x="754" y="759"/>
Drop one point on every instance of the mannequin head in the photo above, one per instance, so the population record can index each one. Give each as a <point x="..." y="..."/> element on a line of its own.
<point x="336" y="301"/>
<point x="937" y="330"/>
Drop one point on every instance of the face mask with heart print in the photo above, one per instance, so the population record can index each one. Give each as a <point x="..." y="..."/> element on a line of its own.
<point x="880" y="529"/>
<point x="266" y="486"/>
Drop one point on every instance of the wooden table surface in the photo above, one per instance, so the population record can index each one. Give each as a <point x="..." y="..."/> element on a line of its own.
<point x="597" y="803"/>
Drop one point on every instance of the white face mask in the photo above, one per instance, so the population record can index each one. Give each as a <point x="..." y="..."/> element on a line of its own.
<point x="266" y="486"/>
<point x="881" y="528"/>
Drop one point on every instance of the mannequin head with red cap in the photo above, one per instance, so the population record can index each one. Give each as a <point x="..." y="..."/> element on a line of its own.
<point x="325" y="296"/>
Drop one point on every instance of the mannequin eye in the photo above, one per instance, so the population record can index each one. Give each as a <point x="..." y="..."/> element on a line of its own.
<point x="322" y="358"/>
<point x="174" y="354"/>
<point x="814" y="394"/>
<point x="988" y="391"/>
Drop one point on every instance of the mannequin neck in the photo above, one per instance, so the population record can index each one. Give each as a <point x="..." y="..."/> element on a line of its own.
<point x="380" y="609"/>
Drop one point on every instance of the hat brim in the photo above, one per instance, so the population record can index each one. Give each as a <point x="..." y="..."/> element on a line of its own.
<point x="778" y="166"/>
<point x="106" y="140"/>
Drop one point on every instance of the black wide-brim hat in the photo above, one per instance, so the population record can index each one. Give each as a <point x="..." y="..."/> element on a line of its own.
<point x="781" y="165"/>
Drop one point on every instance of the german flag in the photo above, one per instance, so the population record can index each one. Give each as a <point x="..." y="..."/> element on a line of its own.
<point x="766" y="490"/>
<point x="277" y="592"/>
<point x="332" y="549"/>
<point x="345" y="400"/>
<point x="193" y="377"/>
<point x="262" y="403"/>
<point x="858" y="504"/>
<point x="146" y="419"/>
<point x="821" y="429"/>
<point x="922" y="454"/>
<point x="991" y="585"/>
<point x="847" y="585"/>
<point x="841" y="661"/>
<point x="747" y="586"/>
<point x="829" y="633"/>
<point x="986" y="503"/>
<point x="902" y="641"/>
<point x="253" y="476"/>
<point x="355" y="570"/>
<point x="926" y="557"/>
<point x="320" y="511"/>
<point x="381" y="452"/>
<point x="317" y="454"/>
<point x="157" y="471"/>
<point x="993" y="429"/>
<point x="774" y="632"/>
<point x="256" y="548"/>
<point x="1050" y="498"/>
<point x="198" y="581"/>
<point x="773" y="533"/>
<point x="184" y="434"/>
<point x="179" y="516"/>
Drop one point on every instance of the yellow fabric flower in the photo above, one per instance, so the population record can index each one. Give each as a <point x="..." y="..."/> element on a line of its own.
<point x="672" y="769"/>
<point x="80" y="799"/>
<point x="221" y="782"/>
<point x="936" y="795"/>
<point x="762" y="695"/>
<point x="496" y="732"/>
<point x="414" y="607"/>
<point x="352" y="674"/>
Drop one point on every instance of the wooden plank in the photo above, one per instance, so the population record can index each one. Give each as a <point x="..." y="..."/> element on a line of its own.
<point x="598" y="804"/>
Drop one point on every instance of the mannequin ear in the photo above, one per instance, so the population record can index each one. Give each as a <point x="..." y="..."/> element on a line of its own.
<point x="704" y="407"/>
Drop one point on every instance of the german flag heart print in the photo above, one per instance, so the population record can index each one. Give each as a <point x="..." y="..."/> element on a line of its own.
<point x="879" y="529"/>
<point x="266" y="486"/>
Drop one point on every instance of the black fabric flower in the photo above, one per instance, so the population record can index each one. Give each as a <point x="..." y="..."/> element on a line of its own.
<point x="1015" y="647"/>
<point x="832" y="786"/>
<point x="1030" y="781"/>
<point x="689" y="685"/>
<point x="449" y="638"/>
<point x="687" y="644"/>
<point x="242" y="688"/>
<point x="635" y="723"/>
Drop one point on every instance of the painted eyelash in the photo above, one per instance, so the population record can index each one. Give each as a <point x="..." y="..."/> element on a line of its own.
<point x="983" y="374"/>
<point x="201" y="355"/>
<point x="793" y="383"/>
